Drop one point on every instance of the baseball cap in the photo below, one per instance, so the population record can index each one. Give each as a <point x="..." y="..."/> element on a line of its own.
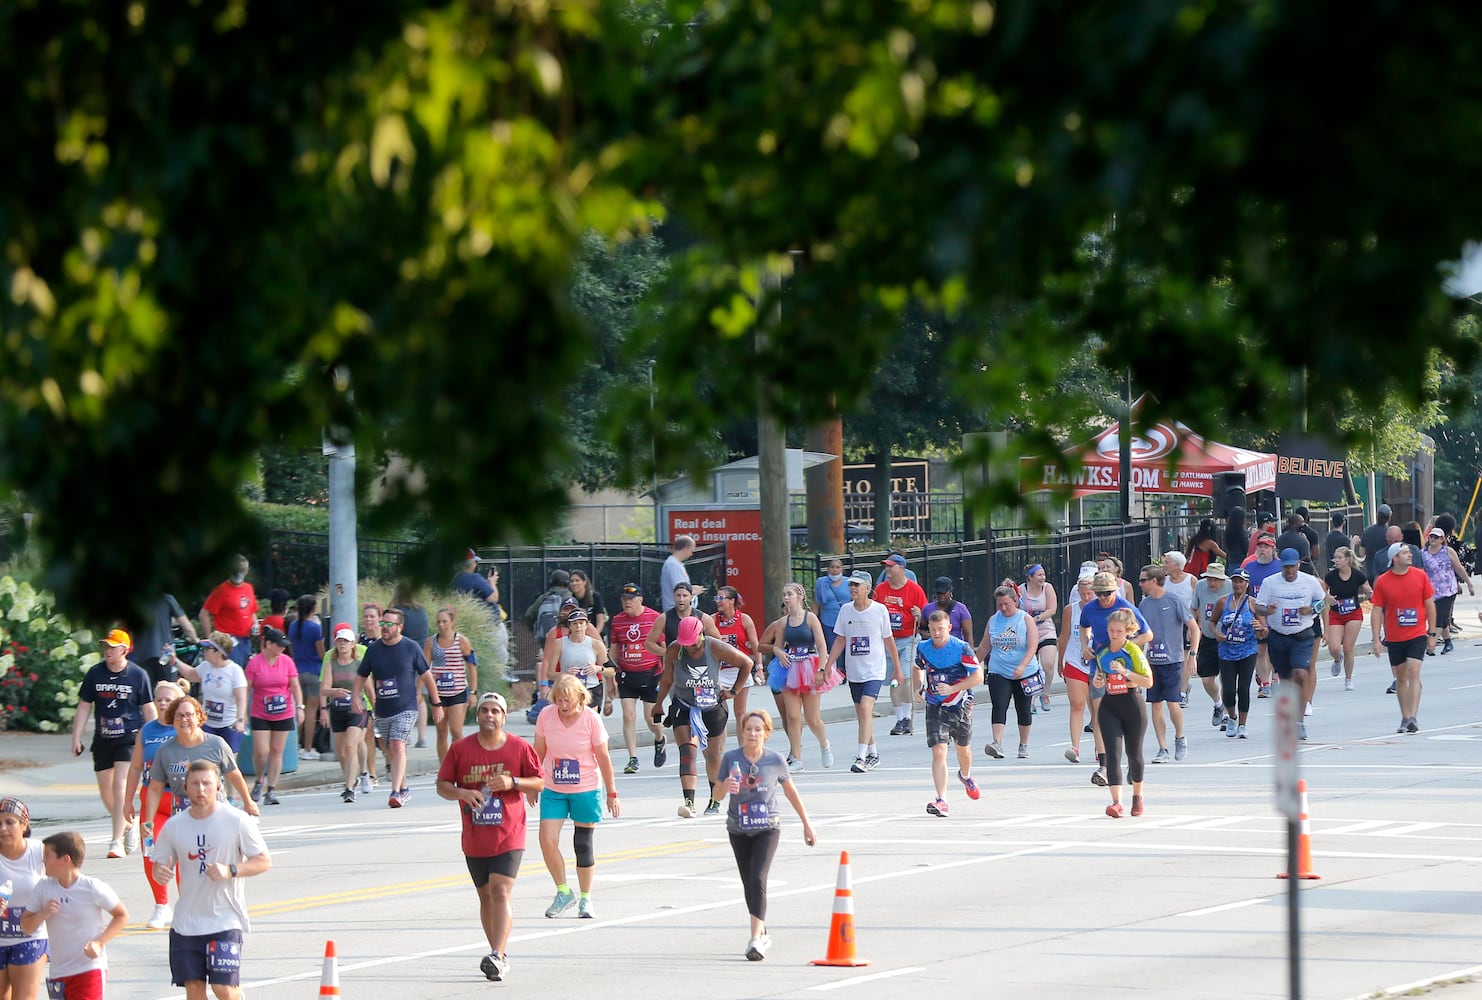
<point x="1394" y="549"/>
<point x="1239" y="574"/>
<point x="1435" y="533"/>
<point x="270" y="634"/>
<point x="894" y="557"/>
<point x="860" y="576"/>
<point x="631" y="590"/>
<point x="1290" y="557"/>
<point x="343" y="631"/>
<point x="1266" y="540"/>
<point x="943" y="584"/>
<point x="570" y="602"/>
<point x="493" y="698"/>
<point x="689" y="631"/>
<point x="117" y="637"/>
<point x="1088" y="570"/>
<point x="1385" y="508"/>
<point x="472" y="556"/>
<point x="1216" y="570"/>
<point x="1104" y="583"/>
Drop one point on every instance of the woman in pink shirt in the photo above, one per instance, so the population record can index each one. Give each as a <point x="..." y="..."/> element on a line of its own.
<point x="571" y="743"/>
<point x="276" y="710"/>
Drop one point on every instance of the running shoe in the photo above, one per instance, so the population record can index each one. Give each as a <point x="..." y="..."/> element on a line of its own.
<point x="115" y="849"/>
<point x="365" y="783"/>
<point x="1240" y="732"/>
<point x="1073" y="755"/>
<point x="1264" y="692"/>
<point x="906" y="729"/>
<point x="1401" y="727"/>
<point x="495" y="967"/>
<point x="1231" y="728"/>
<point x="160" y="918"/>
<point x="661" y="751"/>
<point x="713" y="809"/>
<point x="421" y="742"/>
<point x="1044" y="702"/>
<point x="564" y="901"/>
<point x="257" y="792"/>
<point x="1180" y="747"/>
<point x="793" y="764"/>
<point x="270" y="798"/>
<point x="1336" y="667"/>
<point x="1219" y="716"/>
<point x="131" y="837"/>
<point x="872" y="761"/>
<point x="1033" y="707"/>
<point x="348" y="795"/>
<point x="757" y="947"/>
<point x="1087" y="728"/>
<point x="393" y="800"/>
<point x="1137" y="805"/>
<point x="858" y="767"/>
<point x="970" y="785"/>
<point x="687" y="810"/>
<point x="1023" y="751"/>
<point x="1348" y="684"/>
<point x="1412" y="726"/>
<point x="896" y="730"/>
<point x="1098" y="777"/>
<point x="1183" y="700"/>
<point x="309" y="754"/>
<point x="1162" y="756"/>
<point x="1114" y="810"/>
<point x="584" y="910"/>
<point x="1301" y="730"/>
<point x="994" y="750"/>
<point x="1307" y="710"/>
<point x="827" y="753"/>
<point x="1448" y="646"/>
<point x="937" y="807"/>
<point x="632" y="767"/>
<point x="1391" y="688"/>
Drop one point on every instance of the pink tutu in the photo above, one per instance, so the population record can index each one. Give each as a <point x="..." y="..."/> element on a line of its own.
<point x="802" y="676"/>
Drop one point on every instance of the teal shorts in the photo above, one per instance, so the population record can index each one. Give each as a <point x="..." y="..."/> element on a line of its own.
<point x="580" y="807"/>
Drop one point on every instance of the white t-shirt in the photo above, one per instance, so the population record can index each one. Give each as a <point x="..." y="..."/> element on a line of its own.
<point x="86" y="909"/>
<point x="1289" y="598"/>
<point x="228" y="836"/>
<point x="219" y="686"/>
<point x="865" y="635"/>
<point x="25" y="871"/>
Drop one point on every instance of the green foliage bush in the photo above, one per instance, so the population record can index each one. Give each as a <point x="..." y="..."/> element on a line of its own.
<point x="42" y="660"/>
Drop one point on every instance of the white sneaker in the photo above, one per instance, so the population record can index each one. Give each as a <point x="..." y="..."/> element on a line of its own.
<point x="1307" y="712"/>
<point x="365" y="783"/>
<point x="1348" y="684"/>
<point x="115" y="849"/>
<point x="828" y="756"/>
<point x="131" y="837"/>
<point x="757" y="947"/>
<point x="309" y="754"/>
<point x="686" y="811"/>
<point x="160" y="918"/>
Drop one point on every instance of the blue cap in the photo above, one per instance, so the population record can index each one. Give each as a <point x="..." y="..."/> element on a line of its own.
<point x="1290" y="557"/>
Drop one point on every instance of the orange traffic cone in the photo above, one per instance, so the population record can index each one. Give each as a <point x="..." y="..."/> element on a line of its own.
<point x="329" y="982"/>
<point x="1304" y="839"/>
<point x="841" y="929"/>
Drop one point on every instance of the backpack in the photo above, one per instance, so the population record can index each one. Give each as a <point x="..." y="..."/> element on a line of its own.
<point x="545" y="615"/>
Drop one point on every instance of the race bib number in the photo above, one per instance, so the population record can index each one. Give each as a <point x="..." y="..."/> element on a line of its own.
<point x="223" y="958"/>
<point x="112" y="727"/>
<point x="450" y="681"/>
<point x="491" y="813"/>
<point x="567" y="772"/>
<point x="1033" y="684"/>
<point x="1347" y="605"/>
<point x="339" y="701"/>
<point x="215" y="711"/>
<point x="1158" y="651"/>
<point x="275" y="704"/>
<point x="705" y="696"/>
<point x="798" y="652"/>
<point x="56" y="989"/>
<point x="859" y="645"/>
<point x="1290" y="617"/>
<point x="897" y="620"/>
<point x="1116" y="683"/>
<point x="10" y="921"/>
<point x="1209" y="612"/>
<point x="754" y="817"/>
<point x="178" y="804"/>
<point x="1407" y="617"/>
<point x="730" y="637"/>
<point x="388" y="689"/>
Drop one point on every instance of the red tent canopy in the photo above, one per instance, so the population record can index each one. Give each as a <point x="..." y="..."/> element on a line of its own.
<point x="1167" y="457"/>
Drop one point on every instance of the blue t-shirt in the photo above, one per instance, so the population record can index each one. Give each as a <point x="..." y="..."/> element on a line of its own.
<point x="303" y="638"/>
<point x="1260" y="572"/>
<point x="1008" y="641"/>
<point x="118" y="700"/>
<point x="473" y="583"/>
<point x="1094" y="616"/>
<point x="829" y="598"/>
<point x="947" y="664"/>
<point x="394" y="672"/>
<point x="151" y="738"/>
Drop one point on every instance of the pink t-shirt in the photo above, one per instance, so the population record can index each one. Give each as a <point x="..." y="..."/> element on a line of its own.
<point x="570" y="763"/>
<point x="272" y="689"/>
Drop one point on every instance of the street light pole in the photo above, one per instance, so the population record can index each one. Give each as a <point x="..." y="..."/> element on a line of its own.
<point x="653" y="458"/>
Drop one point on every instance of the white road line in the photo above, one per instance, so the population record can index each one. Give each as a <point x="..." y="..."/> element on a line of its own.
<point x="1420" y="984"/>
<point x="1226" y="906"/>
<point x="1405" y="831"/>
<point x="1365" y="825"/>
<point x="857" y="980"/>
<point x="1215" y="824"/>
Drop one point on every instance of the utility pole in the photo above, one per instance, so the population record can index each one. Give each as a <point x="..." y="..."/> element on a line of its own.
<point x="344" y="598"/>
<point x="772" y="467"/>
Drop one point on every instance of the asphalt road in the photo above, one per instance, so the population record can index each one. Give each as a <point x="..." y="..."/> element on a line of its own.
<point x="1029" y="892"/>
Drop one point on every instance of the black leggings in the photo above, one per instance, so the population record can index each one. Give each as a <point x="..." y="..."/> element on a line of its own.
<point x="754" y="853"/>
<point x="1443" y="613"/>
<point x="1121" y="716"/>
<point x="1003" y="689"/>
<point x="1235" y="678"/>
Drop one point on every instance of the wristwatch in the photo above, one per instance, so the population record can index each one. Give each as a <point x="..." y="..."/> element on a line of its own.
<point x="232" y="869"/>
<point x="435" y="704"/>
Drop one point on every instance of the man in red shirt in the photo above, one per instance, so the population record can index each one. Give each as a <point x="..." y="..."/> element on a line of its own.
<point x="905" y="602"/>
<point x="486" y="774"/>
<point x="1405" y="605"/>
<point x="638" y="671"/>
<point x="232" y="607"/>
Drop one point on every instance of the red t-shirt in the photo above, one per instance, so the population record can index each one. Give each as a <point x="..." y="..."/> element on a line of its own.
<point x="628" y="637"/>
<point x="232" y="607"/>
<point x="1403" y="598"/>
<point x="496" y="829"/>
<point x="898" y="604"/>
<point x="734" y="633"/>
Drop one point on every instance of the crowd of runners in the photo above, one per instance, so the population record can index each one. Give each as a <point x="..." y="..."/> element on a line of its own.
<point x="1127" y="652"/>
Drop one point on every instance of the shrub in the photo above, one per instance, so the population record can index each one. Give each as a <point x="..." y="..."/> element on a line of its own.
<point x="42" y="662"/>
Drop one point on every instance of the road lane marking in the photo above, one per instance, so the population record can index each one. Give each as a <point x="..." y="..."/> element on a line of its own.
<point x="1420" y="984"/>
<point x="857" y="980"/>
<point x="1224" y="906"/>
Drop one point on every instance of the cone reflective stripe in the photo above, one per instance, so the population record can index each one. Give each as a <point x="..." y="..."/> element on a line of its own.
<point x="1304" y="839"/>
<point x="329" y="982"/>
<point x="841" y="928"/>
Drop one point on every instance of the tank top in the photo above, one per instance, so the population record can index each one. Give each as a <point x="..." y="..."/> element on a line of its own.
<point x="1443" y="575"/>
<point x="1034" y="606"/>
<point x="671" y="624"/>
<point x="733" y="632"/>
<point x="449" y="668"/>
<point x="697" y="680"/>
<point x="797" y="640"/>
<point x="151" y="738"/>
<point x="1073" y="639"/>
<point x="580" y="659"/>
<point x="342" y="675"/>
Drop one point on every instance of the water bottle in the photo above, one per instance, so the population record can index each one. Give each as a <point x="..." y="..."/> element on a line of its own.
<point x="166" y="655"/>
<point x="148" y="846"/>
<point x="7" y="888"/>
<point x="736" y="771"/>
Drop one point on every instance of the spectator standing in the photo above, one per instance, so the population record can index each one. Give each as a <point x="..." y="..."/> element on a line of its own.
<point x="232" y="608"/>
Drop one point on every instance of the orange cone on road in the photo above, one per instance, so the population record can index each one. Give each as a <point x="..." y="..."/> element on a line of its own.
<point x="1304" y="839"/>
<point x="329" y="982"/>
<point x="841" y="928"/>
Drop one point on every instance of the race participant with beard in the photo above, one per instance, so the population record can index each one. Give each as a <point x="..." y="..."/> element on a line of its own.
<point x="638" y="671"/>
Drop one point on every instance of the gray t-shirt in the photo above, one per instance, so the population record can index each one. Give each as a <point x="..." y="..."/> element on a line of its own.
<point x="172" y="763"/>
<point x="1165" y="616"/>
<point x="1205" y="597"/>
<point x="753" y="810"/>
<point x="697" y="681"/>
